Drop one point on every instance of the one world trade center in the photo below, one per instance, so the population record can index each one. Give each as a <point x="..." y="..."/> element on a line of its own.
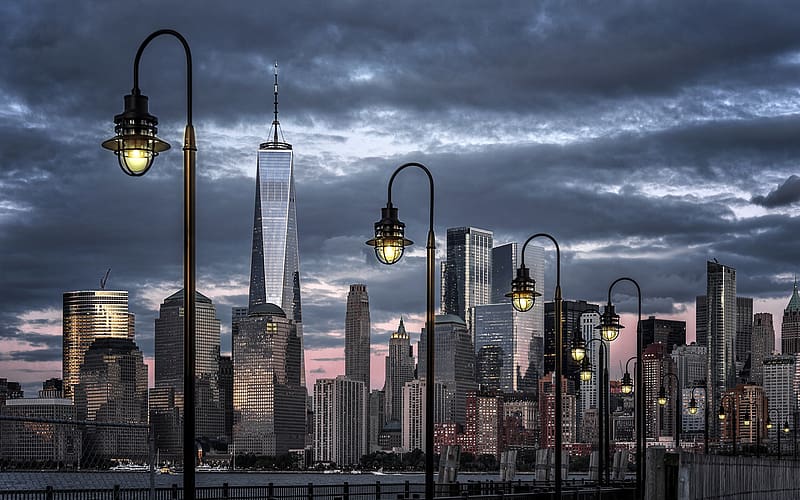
<point x="275" y="264"/>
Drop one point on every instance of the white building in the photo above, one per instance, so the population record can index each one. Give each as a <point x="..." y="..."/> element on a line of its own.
<point x="340" y="420"/>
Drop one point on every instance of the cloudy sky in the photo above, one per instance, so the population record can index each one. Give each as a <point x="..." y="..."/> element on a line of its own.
<point x="647" y="137"/>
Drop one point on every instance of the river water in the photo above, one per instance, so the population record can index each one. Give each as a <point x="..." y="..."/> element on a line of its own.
<point x="84" y="480"/>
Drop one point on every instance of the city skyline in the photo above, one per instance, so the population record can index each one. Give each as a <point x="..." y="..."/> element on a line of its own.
<point x="678" y="148"/>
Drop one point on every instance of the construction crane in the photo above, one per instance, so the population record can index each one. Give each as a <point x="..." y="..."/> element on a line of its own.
<point x="104" y="279"/>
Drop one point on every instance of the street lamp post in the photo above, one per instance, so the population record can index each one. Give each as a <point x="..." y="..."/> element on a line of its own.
<point x="523" y="293"/>
<point x="389" y="243"/>
<point x="610" y="328"/>
<point x="136" y="146"/>
<point x="662" y="400"/>
<point x="693" y="411"/>
<point x="578" y="352"/>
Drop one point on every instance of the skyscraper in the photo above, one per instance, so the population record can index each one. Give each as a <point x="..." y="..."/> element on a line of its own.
<point x="657" y="363"/>
<point x="275" y="263"/>
<point x="721" y="331"/>
<point x="528" y="327"/>
<point x="399" y="370"/>
<point x="744" y="328"/>
<point x="454" y="361"/>
<point x="790" y="328"/>
<point x="589" y="395"/>
<point x="87" y="315"/>
<point x="113" y="388"/>
<point x="209" y="411"/>
<point x="502" y="343"/>
<point x="763" y="341"/>
<point x="468" y="270"/>
<point x="780" y="373"/>
<point x="572" y="311"/>
<point x="690" y="364"/>
<point x="356" y="335"/>
<point x="269" y="401"/>
<point x="340" y="416"/>
<point x="669" y="332"/>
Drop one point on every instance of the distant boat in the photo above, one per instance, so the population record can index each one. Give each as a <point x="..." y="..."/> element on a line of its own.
<point x="130" y="468"/>
<point x="203" y="468"/>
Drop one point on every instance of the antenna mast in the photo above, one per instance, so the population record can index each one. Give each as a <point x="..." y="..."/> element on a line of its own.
<point x="275" y="122"/>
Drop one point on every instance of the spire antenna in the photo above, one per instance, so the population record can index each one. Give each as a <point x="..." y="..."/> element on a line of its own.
<point x="275" y="122"/>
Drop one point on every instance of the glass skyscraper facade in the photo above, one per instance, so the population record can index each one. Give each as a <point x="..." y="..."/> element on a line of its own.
<point x="275" y="262"/>
<point x="356" y="335"/>
<point x="87" y="315"/>
<point x="721" y="331"/>
<point x="467" y="273"/>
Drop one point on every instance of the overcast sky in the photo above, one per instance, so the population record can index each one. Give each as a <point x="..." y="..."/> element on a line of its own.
<point x="647" y="137"/>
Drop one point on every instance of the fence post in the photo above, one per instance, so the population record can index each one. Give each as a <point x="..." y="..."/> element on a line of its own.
<point x="407" y="495"/>
<point x="310" y="491"/>
<point x="270" y="491"/>
<point x="224" y="490"/>
<point x="346" y="491"/>
<point x="174" y="491"/>
<point x="49" y="493"/>
<point x="377" y="490"/>
<point x="116" y="492"/>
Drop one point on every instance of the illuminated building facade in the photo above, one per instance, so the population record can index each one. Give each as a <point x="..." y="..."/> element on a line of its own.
<point x="269" y="401"/>
<point x="87" y="315"/>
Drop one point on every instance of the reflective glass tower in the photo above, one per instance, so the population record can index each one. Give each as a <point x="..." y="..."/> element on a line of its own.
<point x="275" y="263"/>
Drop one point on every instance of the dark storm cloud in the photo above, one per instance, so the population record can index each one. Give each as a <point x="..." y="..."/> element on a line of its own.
<point x="785" y="194"/>
<point x="652" y="200"/>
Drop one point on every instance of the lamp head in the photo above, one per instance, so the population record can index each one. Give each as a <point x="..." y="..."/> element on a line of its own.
<point x="786" y="427"/>
<point x="586" y="370"/>
<point x="693" y="406"/>
<point x="609" y="324"/>
<point x="662" y="396"/>
<point x="627" y="383"/>
<point x="721" y="413"/>
<point x="389" y="240"/>
<point x="523" y="290"/>
<point x="769" y="423"/>
<point x="746" y="421"/>
<point x="135" y="144"/>
<point x="578" y="350"/>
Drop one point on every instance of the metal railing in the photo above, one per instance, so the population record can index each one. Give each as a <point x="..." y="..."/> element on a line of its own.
<point x="576" y="489"/>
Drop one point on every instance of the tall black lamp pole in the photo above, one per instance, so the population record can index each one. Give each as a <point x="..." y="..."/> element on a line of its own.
<point x="662" y="400"/>
<point x="610" y="327"/>
<point x="693" y="411"/>
<point x="579" y="354"/>
<point x="136" y="146"/>
<point x="523" y="294"/>
<point x="389" y="243"/>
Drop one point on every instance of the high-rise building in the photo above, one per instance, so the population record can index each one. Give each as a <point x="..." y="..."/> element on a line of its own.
<point x="744" y="328"/>
<point x="779" y="376"/>
<point x="454" y="361"/>
<point x="763" y="345"/>
<point x="113" y="388"/>
<point x="505" y="261"/>
<point x="376" y="419"/>
<point x="484" y="424"/>
<point x="790" y="328"/>
<point x="690" y="364"/>
<point x="237" y="313"/>
<point x="414" y="411"/>
<point x="10" y="390"/>
<point x="572" y="311"/>
<point x="269" y="400"/>
<point x="226" y="393"/>
<point x="721" y="332"/>
<point x="547" y="412"/>
<point x="669" y="332"/>
<point x="502" y="342"/>
<point x="521" y="420"/>
<point x="87" y="315"/>
<point x="468" y="270"/>
<point x="340" y="416"/>
<point x="356" y="335"/>
<point x="209" y="411"/>
<point x="701" y="320"/>
<point x="399" y="370"/>
<point x="656" y="364"/>
<point x="588" y="389"/>
<point x="275" y="263"/>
